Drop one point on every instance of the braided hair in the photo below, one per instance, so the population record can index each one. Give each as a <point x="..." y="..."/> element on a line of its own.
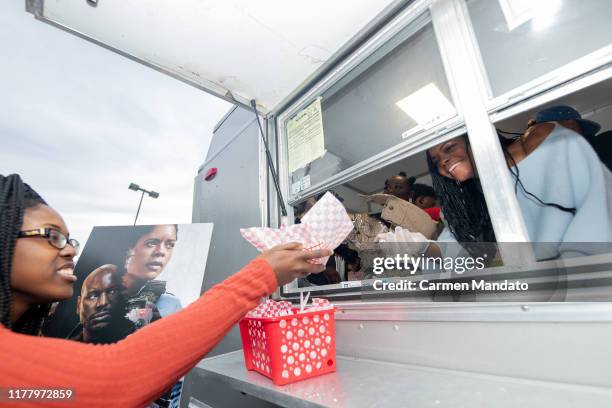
<point x="465" y="210"/>
<point x="464" y="206"/>
<point x="15" y="197"/>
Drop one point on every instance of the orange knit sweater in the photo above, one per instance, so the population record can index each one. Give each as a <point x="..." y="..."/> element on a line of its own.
<point x="136" y="370"/>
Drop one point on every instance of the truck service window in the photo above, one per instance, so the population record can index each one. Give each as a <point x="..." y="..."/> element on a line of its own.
<point x="396" y="91"/>
<point x="388" y="126"/>
<point x="401" y="194"/>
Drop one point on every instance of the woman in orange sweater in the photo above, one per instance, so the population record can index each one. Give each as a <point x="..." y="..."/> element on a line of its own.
<point x="36" y="269"/>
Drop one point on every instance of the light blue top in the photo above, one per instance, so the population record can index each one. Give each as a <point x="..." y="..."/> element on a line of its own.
<point x="565" y="170"/>
<point x="168" y="304"/>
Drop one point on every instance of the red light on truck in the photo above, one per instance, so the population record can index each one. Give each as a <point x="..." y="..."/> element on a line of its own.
<point x="210" y="174"/>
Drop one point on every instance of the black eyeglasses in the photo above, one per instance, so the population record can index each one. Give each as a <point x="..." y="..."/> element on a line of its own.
<point x="54" y="237"/>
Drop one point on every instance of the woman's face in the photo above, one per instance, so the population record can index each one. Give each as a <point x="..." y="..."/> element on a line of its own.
<point x="452" y="158"/>
<point x="42" y="273"/>
<point x="152" y="253"/>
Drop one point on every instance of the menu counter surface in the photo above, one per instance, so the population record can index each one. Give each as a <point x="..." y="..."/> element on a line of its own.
<point x="367" y="383"/>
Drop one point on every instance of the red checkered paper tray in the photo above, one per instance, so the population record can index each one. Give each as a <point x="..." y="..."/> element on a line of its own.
<point x="326" y="225"/>
<point x="272" y="308"/>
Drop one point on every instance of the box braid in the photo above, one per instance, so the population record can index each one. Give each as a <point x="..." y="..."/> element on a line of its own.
<point x="463" y="205"/>
<point x="465" y="210"/>
<point x="15" y="197"/>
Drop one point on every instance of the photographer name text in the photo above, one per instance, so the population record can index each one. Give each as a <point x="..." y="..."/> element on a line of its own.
<point x="473" y="285"/>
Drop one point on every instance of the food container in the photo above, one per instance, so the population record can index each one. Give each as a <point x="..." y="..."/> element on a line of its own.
<point x="292" y="347"/>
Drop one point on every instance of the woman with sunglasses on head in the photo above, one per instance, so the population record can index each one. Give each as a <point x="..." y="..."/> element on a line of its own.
<point x="36" y="269"/>
<point x="563" y="190"/>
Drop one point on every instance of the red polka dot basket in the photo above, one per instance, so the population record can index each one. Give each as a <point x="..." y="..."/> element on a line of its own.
<point x="290" y="348"/>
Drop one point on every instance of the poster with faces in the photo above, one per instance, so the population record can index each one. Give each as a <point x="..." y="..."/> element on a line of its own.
<point x="129" y="277"/>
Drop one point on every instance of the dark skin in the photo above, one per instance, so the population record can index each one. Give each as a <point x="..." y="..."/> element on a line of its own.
<point x="399" y="187"/>
<point x="36" y="277"/>
<point x="41" y="273"/>
<point x="535" y="134"/>
<point x="453" y="159"/>
<point x="100" y="302"/>
<point x="292" y="262"/>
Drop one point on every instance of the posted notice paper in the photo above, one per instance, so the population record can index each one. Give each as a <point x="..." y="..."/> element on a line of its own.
<point x="305" y="136"/>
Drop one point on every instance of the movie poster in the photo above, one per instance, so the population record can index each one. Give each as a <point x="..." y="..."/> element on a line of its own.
<point x="129" y="277"/>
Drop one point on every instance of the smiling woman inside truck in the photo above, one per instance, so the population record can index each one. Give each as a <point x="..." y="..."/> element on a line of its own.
<point x="563" y="190"/>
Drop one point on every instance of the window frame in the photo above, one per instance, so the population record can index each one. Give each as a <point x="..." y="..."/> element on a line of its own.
<point x="414" y="14"/>
<point x="476" y="115"/>
<point x="589" y="63"/>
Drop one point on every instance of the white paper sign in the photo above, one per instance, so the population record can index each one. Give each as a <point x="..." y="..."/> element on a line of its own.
<point x="305" y="139"/>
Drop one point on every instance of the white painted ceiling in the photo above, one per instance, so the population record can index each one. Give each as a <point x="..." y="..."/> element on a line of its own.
<point x="250" y="49"/>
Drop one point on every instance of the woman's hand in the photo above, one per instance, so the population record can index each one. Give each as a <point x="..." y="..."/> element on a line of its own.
<point x="289" y="261"/>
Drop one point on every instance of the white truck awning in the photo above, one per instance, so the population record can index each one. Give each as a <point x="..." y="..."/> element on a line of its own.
<point x="236" y="49"/>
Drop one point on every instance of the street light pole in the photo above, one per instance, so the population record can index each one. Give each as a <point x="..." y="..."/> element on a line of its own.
<point x="139" y="204"/>
<point x="152" y="194"/>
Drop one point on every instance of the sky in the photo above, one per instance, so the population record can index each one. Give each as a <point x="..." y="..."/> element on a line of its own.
<point x="79" y="123"/>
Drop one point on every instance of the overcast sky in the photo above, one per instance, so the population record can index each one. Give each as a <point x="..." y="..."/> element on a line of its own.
<point x="79" y="123"/>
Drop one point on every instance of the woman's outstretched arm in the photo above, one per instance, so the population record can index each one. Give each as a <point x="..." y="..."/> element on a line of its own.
<point x="136" y="370"/>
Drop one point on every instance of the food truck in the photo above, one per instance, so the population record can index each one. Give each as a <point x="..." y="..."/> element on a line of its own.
<point x="341" y="96"/>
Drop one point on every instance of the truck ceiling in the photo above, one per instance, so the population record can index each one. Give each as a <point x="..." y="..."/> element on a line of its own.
<point x="236" y="49"/>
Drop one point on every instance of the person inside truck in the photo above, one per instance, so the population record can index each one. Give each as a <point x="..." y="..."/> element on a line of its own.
<point x="572" y="120"/>
<point x="400" y="186"/>
<point x="563" y="190"/>
<point x="421" y="195"/>
<point x="36" y="269"/>
<point x="424" y="197"/>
